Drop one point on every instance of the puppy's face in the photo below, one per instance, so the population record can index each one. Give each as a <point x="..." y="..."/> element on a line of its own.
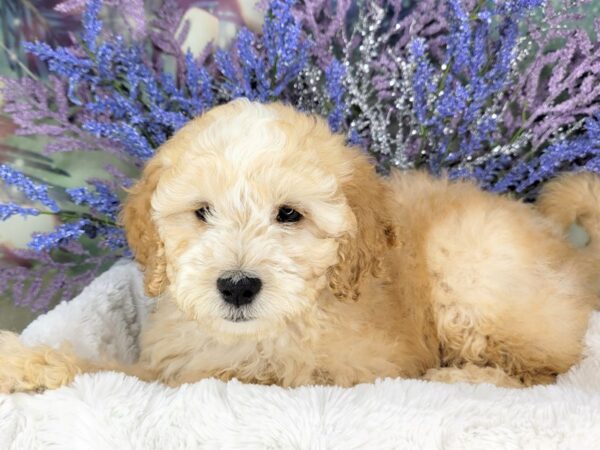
<point x="246" y="215"/>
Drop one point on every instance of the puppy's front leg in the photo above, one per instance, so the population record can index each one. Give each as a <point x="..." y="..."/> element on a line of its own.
<point x="34" y="369"/>
<point x="25" y="369"/>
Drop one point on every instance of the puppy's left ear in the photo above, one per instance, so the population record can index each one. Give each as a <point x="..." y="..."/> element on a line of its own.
<point x="362" y="251"/>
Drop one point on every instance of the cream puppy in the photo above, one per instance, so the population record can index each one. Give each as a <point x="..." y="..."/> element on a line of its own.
<point x="279" y="256"/>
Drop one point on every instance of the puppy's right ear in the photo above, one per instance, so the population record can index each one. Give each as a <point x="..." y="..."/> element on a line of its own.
<point x="141" y="232"/>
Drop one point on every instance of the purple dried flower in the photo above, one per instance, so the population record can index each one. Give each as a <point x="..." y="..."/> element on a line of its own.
<point x="65" y="279"/>
<point x="10" y="209"/>
<point x="264" y="74"/>
<point x="565" y="154"/>
<point x="255" y="78"/>
<point x="32" y="191"/>
<point x="102" y="201"/>
<point x="230" y="84"/>
<point x="199" y="84"/>
<point x="324" y="21"/>
<point x="334" y="76"/>
<point x="65" y="63"/>
<point x="91" y="24"/>
<point x="458" y="43"/>
<point x="422" y="82"/>
<point x="164" y="29"/>
<point x="133" y="141"/>
<point x="44" y="242"/>
<point x="133" y="11"/>
<point x="112" y="238"/>
<point x="519" y="7"/>
<point x="545" y="104"/>
<point x="286" y="49"/>
<point x="69" y="6"/>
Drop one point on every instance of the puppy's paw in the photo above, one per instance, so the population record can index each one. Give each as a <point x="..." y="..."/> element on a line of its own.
<point x="473" y="374"/>
<point x="25" y="369"/>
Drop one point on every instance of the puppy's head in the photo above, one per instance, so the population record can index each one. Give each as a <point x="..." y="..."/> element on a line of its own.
<point x="250" y="211"/>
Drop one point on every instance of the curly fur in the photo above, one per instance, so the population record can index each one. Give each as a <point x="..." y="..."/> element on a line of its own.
<point x="405" y="276"/>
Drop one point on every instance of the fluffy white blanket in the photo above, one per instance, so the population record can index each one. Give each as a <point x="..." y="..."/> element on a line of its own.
<point x="113" y="411"/>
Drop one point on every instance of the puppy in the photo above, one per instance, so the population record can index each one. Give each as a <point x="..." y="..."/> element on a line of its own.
<point x="279" y="256"/>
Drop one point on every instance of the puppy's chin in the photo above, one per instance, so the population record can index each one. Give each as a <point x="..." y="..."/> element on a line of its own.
<point x="246" y="327"/>
<point x="224" y="326"/>
<point x="228" y="331"/>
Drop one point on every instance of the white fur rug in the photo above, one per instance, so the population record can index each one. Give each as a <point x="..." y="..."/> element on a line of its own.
<point x="112" y="411"/>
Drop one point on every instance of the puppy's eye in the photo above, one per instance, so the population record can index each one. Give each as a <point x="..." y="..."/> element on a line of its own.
<point x="288" y="215"/>
<point x="202" y="213"/>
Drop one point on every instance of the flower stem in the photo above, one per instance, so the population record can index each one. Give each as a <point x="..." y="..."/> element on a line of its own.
<point x="18" y="61"/>
<point x="69" y="215"/>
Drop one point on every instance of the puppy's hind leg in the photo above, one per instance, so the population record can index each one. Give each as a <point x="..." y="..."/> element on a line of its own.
<point x="34" y="369"/>
<point x="470" y="373"/>
<point x="505" y="291"/>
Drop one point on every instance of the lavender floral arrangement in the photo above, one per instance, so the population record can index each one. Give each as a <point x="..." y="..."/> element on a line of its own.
<point x="505" y="92"/>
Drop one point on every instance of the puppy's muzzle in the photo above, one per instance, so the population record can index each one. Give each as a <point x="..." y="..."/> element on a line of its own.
<point x="238" y="290"/>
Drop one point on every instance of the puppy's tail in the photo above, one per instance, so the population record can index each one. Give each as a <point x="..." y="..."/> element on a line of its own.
<point x="573" y="201"/>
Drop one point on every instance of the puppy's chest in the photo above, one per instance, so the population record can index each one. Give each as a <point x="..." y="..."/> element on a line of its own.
<point x="180" y="351"/>
<point x="263" y="362"/>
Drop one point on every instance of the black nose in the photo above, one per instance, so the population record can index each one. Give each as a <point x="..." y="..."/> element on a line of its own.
<point x="238" y="291"/>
